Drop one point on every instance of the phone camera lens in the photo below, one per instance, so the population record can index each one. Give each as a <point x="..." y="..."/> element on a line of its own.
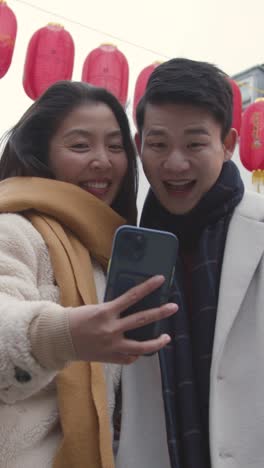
<point x="138" y="247"/>
<point x="132" y="246"/>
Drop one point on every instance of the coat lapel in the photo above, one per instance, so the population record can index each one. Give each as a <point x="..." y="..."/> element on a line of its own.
<point x="244" y="249"/>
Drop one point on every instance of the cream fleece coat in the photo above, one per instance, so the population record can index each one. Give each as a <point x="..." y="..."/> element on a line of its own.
<point x="29" y="420"/>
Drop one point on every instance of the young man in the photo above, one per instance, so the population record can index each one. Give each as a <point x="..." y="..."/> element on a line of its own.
<point x="213" y="371"/>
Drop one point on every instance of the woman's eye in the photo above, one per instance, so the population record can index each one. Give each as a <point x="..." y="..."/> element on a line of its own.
<point x="116" y="147"/>
<point x="80" y="146"/>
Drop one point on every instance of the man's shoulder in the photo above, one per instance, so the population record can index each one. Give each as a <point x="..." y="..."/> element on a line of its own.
<point x="251" y="207"/>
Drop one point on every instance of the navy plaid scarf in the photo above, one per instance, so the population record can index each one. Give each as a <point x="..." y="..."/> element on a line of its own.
<point x="186" y="361"/>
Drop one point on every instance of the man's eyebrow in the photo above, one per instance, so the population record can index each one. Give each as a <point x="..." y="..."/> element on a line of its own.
<point x="196" y="131"/>
<point x="156" y="132"/>
<point x="188" y="131"/>
<point x="115" y="133"/>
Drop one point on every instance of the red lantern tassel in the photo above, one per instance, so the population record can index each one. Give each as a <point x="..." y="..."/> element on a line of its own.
<point x="258" y="178"/>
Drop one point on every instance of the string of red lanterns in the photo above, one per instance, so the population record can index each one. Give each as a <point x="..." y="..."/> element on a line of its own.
<point x="50" y="57"/>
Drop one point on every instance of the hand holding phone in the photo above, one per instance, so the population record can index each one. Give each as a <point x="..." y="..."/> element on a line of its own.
<point x="139" y="254"/>
<point x="97" y="331"/>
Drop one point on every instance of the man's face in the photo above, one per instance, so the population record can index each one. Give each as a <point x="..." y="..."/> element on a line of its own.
<point x="182" y="153"/>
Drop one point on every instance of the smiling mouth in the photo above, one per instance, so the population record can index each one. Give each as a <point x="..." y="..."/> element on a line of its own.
<point x="182" y="187"/>
<point x="98" y="188"/>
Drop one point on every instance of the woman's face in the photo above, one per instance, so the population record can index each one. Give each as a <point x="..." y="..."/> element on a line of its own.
<point x="87" y="150"/>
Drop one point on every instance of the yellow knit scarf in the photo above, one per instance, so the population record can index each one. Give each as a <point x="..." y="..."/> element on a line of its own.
<point x="73" y="224"/>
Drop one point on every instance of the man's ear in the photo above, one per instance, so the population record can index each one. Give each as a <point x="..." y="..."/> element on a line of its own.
<point x="138" y="144"/>
<point x="230" y="143"/>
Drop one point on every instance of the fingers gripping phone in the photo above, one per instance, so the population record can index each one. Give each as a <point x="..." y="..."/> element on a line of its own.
<point x="137" y="255"/>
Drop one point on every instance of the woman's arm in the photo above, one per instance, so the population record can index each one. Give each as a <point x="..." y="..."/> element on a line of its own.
<point x="37" y="336"/>
<point x="25" y="278"/>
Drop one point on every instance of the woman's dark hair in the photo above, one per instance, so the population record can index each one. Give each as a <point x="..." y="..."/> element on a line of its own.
<point x="184" y="81"/>
<point x="26" y="151"/>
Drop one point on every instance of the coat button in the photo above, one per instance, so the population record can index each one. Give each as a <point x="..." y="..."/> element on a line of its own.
<point x="21" y="375"/>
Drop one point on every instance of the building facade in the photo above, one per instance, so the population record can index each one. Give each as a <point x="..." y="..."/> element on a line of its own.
<point x="251" y="83"/>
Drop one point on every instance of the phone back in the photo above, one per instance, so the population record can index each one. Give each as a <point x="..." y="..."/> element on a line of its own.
<point x="137" y="255"/>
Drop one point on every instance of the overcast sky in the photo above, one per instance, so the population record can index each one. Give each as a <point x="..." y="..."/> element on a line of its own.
<point x="228" y="33"/>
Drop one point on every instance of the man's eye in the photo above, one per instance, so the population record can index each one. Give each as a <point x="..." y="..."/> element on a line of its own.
<point x="157" y="144"/>
<point x="195" y="145"/>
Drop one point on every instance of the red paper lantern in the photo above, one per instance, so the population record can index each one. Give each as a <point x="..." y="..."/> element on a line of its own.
<point x="8" y="30"/>
<point x="108" y="68"/>
<point x="252" y="140"/>
<point x="141" y="84"/>
<point x="49" y="58"/>
<point x="237" y="106"/>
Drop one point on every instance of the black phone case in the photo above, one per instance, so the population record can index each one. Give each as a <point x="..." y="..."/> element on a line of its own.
<point x="137" y="255"/>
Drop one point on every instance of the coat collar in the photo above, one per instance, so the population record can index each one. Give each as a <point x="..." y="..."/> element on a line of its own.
<point x="243" y="251"/>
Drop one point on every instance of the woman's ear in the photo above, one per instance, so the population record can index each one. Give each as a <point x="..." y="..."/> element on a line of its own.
<point x="138" y="144"/>
<point x="230" y="143"/>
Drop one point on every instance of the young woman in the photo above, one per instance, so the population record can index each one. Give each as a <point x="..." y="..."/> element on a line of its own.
<point x="68" y="174"/>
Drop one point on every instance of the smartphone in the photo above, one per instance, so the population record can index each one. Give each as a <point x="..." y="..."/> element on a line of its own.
<point x="138" y="254"/>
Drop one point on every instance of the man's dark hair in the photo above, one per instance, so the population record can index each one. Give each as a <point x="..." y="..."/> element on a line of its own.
<point x="183" y="81"/>
<point x="26" y="152"/>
